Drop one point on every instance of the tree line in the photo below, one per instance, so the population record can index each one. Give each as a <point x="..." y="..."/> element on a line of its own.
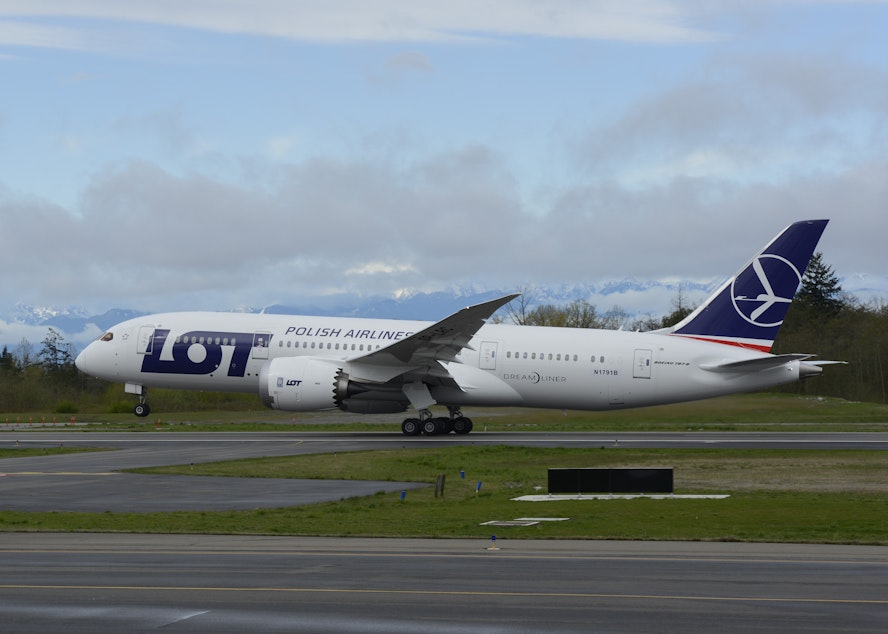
<point x="823" y="320"/>
<point x="46" y="380"/>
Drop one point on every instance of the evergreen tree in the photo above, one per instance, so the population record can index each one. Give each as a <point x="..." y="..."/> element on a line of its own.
<point x="56" y="355"/>
<point x="8" y="364"/>
<point x="820" y="290"/>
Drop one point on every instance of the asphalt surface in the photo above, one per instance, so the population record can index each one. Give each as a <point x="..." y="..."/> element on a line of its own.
<point x="107" y="583"/>
<point x="112" y="583"/>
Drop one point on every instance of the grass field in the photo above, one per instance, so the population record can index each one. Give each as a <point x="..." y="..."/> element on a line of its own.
<point x="748" y="412"/>
<point x="775" y="495"/>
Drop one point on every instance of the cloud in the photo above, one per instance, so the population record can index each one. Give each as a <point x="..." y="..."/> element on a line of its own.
<point x="168" y="127"/>
<point x="379" y="268"/>
<point x="16" y="33"/>
<point x="143" y="237"/>
<point x="410" y="61"/>
<point x="399" y="68"/>
<point x="449" y="179"/>
<point x="361" y="21"/>
<point x="756" y="117"/>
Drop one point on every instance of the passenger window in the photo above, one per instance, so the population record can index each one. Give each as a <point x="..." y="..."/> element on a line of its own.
<point x="601" y="359"/>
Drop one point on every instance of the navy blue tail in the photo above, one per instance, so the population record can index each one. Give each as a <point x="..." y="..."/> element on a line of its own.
<point x="749" y="308"/>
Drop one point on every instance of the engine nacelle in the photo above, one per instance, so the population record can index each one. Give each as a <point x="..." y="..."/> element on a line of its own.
<point x="299" y="384"/>
<point x="305" y="384"/>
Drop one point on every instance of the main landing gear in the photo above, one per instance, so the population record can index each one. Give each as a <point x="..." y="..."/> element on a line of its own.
<point x="435" y="426"/>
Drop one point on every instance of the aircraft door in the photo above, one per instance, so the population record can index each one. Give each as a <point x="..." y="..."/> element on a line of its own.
<point x="641" y="368"/>
<point x="145" y="340"/>
<point x="488" y="355"/>
<point x="261" y="341"/>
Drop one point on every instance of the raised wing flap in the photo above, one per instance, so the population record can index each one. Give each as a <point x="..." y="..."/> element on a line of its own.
<point x="442" y="341"/>
<point x="756" y="365"/>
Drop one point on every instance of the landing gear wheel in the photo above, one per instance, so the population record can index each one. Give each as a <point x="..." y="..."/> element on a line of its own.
<point x="462" y="425"/>
<point x="458" y="423"/>
<point x="431" y="427"/>
<point x="142" y="410"/>
<point x="411" y="427"/>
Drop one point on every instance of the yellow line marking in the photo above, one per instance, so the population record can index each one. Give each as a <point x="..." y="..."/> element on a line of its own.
<point x="59" y="473"/>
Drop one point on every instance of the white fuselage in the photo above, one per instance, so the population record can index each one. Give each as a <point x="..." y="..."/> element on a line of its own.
<point x="503" y="365"/>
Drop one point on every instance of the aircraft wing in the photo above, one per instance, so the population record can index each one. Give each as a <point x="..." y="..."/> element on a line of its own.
<point x="440" y="342"/>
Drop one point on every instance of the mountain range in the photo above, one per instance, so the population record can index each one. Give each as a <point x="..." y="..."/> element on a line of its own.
<point x="635" y="297"/>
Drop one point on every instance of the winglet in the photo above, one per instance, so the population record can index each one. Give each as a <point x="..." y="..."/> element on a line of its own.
<point x="749" y="308"/>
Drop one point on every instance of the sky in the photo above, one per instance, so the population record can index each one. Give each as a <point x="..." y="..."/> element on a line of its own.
<point x="191" y="154"/>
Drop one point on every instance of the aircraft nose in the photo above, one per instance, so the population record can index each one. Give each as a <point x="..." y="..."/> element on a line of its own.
<point x="86" y="360"/>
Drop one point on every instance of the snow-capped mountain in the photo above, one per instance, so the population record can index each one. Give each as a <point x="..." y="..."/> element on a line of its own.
<point x="634" y="297"/>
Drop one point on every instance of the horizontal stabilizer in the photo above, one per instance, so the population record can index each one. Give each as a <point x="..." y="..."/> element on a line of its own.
<point x="822" y="363"/>
<point x="756" y="365"/>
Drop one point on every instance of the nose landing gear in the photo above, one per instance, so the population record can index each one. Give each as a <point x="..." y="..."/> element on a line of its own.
<point x="142" y="409"/>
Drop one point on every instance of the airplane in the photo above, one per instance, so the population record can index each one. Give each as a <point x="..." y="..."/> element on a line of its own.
<point x="307" y="363"/>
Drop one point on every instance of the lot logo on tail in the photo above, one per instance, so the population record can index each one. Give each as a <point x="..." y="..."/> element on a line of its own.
<point x="763" y="290"/>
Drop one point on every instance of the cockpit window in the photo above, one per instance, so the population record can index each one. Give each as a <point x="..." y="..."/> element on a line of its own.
<point x="108" y="336"/>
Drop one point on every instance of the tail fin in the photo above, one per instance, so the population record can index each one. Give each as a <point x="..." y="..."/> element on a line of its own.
<point x="749" y="308"/>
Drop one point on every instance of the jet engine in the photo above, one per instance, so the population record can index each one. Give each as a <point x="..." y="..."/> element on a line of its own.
<point x="304" y="384"/>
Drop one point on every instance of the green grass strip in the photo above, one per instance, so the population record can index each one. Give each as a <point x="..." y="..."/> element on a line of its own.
<point x="812" y="496"/>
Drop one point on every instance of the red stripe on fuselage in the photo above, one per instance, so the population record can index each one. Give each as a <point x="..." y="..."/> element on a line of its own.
<point x="728" y="342"/>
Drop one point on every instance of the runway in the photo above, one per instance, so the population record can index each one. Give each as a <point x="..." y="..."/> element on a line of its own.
<point x="105" y="583"/>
